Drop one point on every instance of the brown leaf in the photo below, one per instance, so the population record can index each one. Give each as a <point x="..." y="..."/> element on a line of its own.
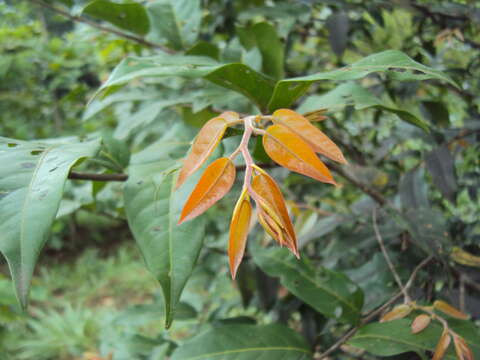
<point x="316" y="115"/>
<point x="449" y="310"/>
<point x="239" y="227"/>
<point x="462" y="349"/>
<point x="442" y="345"/>
<point x="317" y="140"/>
<point x="216" y="181"/>
<point x="398" y="312"/>
<point x="420" y="323"/>
<point x="292" y="152"/>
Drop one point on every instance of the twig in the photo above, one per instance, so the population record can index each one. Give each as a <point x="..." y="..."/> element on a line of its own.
<point x="103" y="28"/>
<point x="97" y="177"/>
<point x="407" y="298"/>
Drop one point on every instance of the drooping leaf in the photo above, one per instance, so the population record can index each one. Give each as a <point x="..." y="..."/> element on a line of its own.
<point x="129" y="16"/>
<point x="239" y="227"/>
<point x="245" y="342"/>
<point x="215" y="182"/>
<point x="398" y="312"/>
<point x="442" y="345"/>
<point x="290" y="151"/>
<point x="441" y="165"/>
<point x="206" y="141"/>
<point x="328" y="292"/>
<point x="338" y="25"/>
<point x="393" y="62"/>
<point x="317" y="140"/>
<point x="32" y="178"/>
<point x="420" y="323"/>
<point x="449" y="310"/>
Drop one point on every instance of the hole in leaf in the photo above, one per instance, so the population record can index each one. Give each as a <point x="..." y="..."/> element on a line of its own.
<point x="36" y="152"/>
<point x="12" y="144"/>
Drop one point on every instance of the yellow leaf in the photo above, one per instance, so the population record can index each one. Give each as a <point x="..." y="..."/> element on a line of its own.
<point x="465" y="258"/>
<point x="420" y="323"/>
<point x="290" y="151"/>
<point x="442" y="345"/>
<point x="317" y="140"/>
<point x="398" y="312"/>
<point x="449" y="310"/>
<point x="239" y="227"/>
<point x="216" y="181"/>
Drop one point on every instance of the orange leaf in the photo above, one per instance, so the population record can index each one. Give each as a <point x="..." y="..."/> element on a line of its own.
<point x="462" y="349"/>
<point x="239" y="227"/>
<point x="398" y="312"/>
<point x="216" y="181"/>
<point x="442" y="345"/>
<point x="420" y="323"/>
<point x="290" y="151"/>
<point x="206" y="141"/>
<point x="449" y="310"/>
<point x="317" y="140"/>
<point x="269" y="191"/>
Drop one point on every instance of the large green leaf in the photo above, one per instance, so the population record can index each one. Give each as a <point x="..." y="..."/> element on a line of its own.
<point x="237" y="77"/>
<point x="129" y="16"/>
<point x="393" y="62"/>
<point x="395" y="337"/>
<point x="352" y="93"/>
<point x="245" y="342"/>
<point x="32" y="178"/>
<point x="329" y="292"/>
<point x="176" y="22"/>
<point x="153" y="209"/>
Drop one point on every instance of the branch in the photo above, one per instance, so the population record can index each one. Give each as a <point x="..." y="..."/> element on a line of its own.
<point x="97" y="177"/>
<point x="103" y="28"/>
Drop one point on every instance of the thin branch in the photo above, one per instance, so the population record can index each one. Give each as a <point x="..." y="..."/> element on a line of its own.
<point x="97" y="177"/>
<point x="103" y="28"/>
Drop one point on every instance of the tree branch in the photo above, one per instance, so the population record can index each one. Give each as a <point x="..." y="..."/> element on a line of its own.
<point x="81" y="19"/>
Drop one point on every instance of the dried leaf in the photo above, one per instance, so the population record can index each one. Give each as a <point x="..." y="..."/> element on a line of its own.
<point x="449" y="310"/>
<point x="206" y="141"/>
<point x="462" y="349"/>
<point x="290" y="151"/>
<point x="268" y="190"/>
<point x="398" y="312"/>
<point x="239" y="227"/>
<point x="442" y="345"/>
<point x="317" y="140"/>
<point x="420" y="323"/>
<point x="216" y="181"/>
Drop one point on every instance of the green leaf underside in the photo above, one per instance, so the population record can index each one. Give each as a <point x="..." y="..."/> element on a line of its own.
<point x="328" y="292"/>
<point x="245" y="342"/>
<point x="393" y="62"/>
<point x="153" y="209"/>
<point x="31" y="188"/>
<point x="395" y="337"/>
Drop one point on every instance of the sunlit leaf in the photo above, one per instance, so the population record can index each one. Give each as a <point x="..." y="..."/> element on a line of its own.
<point x="463" y="257"/>
<point x="215" y="182"/>
<point x="239" y="227"/>
<point x="449" y="310"/>
<point x="317" y="140"/>
<point x="462" y="349"/>
<point x="442" y="345"/>
<point x="420" y="323"/>
<point x="398" y="312"/>
<point x="290" y="151"/>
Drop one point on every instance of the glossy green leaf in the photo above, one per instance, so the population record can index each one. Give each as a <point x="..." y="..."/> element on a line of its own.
<point x="271" y="48"/>
<point x="393" y="62"/>
<point x="329" y="292"/>
<point x="245" y="342"/>
<point x="31" y="187"/>
<point x="129" y="16"/>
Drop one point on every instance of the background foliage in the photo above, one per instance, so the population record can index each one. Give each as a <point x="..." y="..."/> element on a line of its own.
<point x="116" y="88"/>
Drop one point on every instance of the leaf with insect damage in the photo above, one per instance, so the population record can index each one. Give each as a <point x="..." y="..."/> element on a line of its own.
<point x="398" y="312"/>
<point x="420" y="323"/>
<point x="270" y="193"/>
<point x="442" y="345"/>
<point x="317" y="140"/>
<point x="239" y="227"/>
<point x="290" y="151"/>
<point x="206" y="141"/>
<point x="215" y="183"/>
<point x="449" y="310"/>
<point x="462" y="349"/>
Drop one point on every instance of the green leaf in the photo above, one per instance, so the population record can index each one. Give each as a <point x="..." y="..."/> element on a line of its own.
<point x="395" y="337"/>
<point x="129" y="16"/>
<point x="441" y="165"/>
<point x="271" y="48"/>
<point x="245" y="342"/>
<point x="237" y="77"/>
<point x="153" y="209"/>
<point x="393" y="62"/>
<point x="176" y="21"/>
<point x="329" y="292"/>
<point x="31" y="187"/>
<point x="413" y="190"/>
<point x="352" y="93"/>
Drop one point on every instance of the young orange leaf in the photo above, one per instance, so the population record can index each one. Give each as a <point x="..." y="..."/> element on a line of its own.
<point x="269" y="191"/>
<point x="398" y="312"/>
<point x="462" y="349"/>
<point x="216" y="181"/>
<point x="290" y="151"/>
<point x="239" y="227"/>
<point x="449" y="310"/>
<point x="271" y="226"/>
<point x="317" y="140"/>
<point x="420" y="323"/>
<point x="206" y="141"/>
<point x="442" y="345"/>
